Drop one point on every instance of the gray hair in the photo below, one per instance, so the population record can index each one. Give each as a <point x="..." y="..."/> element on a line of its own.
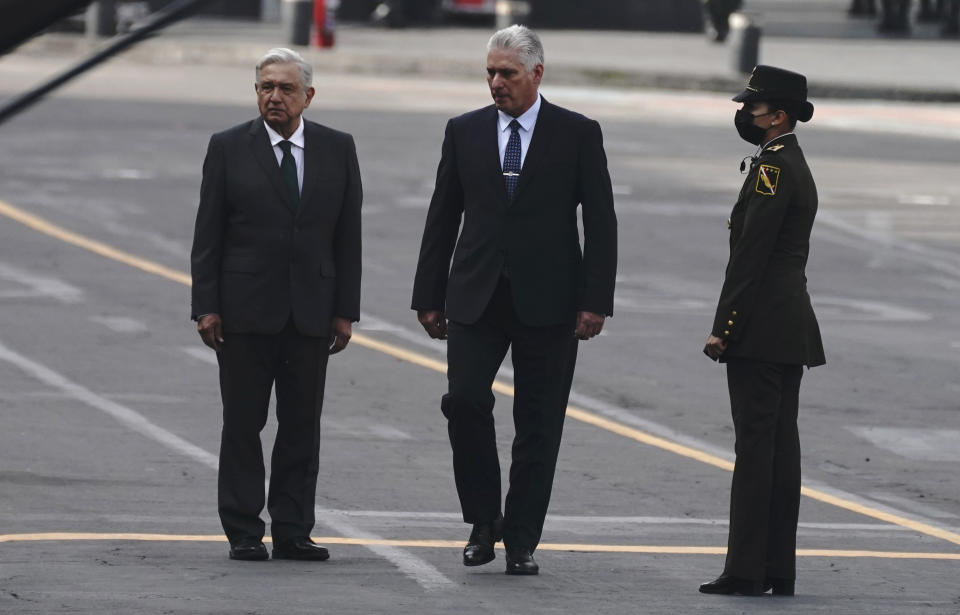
<point x="282" y="55"/>
<point x="523" y="40"/>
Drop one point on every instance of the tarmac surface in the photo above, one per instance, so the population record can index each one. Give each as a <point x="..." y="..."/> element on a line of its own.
<point x="111" y="412"/>
<point x="843" y="57"/>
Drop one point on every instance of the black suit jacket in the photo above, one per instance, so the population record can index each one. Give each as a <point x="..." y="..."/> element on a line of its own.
<point x="258" y="260"/>
<point x="764" y="312"/>
<point x="535" y="237"/>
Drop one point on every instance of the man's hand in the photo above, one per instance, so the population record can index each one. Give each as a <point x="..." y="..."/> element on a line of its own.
<point x="434" y="323"/>
<point x="211" y="330"/>
<point x="340" y="331"/>
<point x="715" y="347"/>
<point x="588" y="325"/>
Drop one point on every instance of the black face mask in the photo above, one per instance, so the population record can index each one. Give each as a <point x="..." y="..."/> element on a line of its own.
<point x="749" y="132"/>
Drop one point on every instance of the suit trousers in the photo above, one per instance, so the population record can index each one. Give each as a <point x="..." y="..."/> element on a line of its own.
<point x="765" y="497"/>
<point x="543" y="363"/>
<point x="250" y="366"/>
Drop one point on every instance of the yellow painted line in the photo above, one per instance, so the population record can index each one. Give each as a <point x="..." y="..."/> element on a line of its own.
<point x="91" y="245"/>
<point x="458" y="544"/>
<point x="47" y="228"/>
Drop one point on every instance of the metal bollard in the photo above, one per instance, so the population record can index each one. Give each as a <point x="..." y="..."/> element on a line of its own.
<point x="745" y="43"/>
<point x="509" y="12"/>
<point x="297" y="17"/>
<point x="101" y="18"/>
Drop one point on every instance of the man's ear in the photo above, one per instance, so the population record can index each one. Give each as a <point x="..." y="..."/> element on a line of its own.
<point x="310" y="92"/>
<point x="537" y="73"/>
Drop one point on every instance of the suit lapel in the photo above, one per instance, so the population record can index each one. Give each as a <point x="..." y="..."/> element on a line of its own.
<point x="263" y="152"/>
<point x="311" y="163"/>
<point x="490" y="151"/>
<point x="543" y="132"/>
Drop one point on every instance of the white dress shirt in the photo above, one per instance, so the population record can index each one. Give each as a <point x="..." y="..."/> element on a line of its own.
<point x="297" y="150"/>
<point x="527" y="121"/>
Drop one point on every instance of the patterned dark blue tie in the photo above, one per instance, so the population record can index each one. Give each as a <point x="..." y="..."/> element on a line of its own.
<point x="511" y="160"/>
<point x="288" y="169"/>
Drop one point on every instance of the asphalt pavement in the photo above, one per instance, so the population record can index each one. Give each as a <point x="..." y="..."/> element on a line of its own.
<point x="842" y="56"/>
<point x="111" y="412"/>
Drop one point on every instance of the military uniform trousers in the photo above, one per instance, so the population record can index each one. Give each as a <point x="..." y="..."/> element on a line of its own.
<point x="543" y="362"/>
<point x="765" y="497"/>
<point x="250" y="366"/>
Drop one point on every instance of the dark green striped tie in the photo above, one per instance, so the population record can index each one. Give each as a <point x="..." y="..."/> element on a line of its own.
<point x="288" y="168"/>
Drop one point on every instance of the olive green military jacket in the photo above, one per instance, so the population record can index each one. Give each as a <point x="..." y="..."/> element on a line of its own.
<point x="764" y="312"/>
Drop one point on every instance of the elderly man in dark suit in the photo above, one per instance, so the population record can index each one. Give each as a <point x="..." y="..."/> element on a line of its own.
<point x="515" y="174"/>
<point x="765" y="331"/>
<point x="276" y="286"/>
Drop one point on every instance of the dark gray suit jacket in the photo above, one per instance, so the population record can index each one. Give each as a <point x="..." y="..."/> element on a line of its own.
<point x="259" y="260"/>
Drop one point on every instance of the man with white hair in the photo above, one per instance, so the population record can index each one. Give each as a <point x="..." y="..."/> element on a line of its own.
<point x="514" y="173"/>
<point x="276" y="288"/>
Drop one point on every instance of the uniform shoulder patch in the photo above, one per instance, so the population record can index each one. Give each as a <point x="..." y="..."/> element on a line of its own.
<point x="775" y="148"/>
<point x="768" y="176"/>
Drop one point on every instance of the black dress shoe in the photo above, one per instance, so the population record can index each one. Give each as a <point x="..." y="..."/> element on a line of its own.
<point x="300" y="549"/>
<point x="728" y="585"/>
<point x="249" y="551"/>
<point x="780" y="587"/>
<point x="520" y="561"/>
<point x="479" y="549"/>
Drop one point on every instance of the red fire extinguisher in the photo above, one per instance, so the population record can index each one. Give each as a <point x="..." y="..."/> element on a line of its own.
<point x="324" y="21"/>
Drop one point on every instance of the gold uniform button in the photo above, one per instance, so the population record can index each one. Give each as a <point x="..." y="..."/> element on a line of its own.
<point x="730" y="322"/>
<point x="734" y="312"/>
<point x="726" y="333"/>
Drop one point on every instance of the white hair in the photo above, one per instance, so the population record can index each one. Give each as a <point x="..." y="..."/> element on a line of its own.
<point x="282" y="55"/>
<point x="522" y="39"/>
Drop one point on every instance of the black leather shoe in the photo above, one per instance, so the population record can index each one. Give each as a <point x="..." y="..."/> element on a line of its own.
<point x="479" y="549"/>
<point x="249" y="551"/>
<point x="780" y="587"/>
<point x="520" y="561"/>
<point x="300" y="549"/>
<point x="728" y="585"/>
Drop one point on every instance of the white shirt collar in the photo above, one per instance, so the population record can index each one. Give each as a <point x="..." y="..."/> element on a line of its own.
<point x="296" y="138"/>
<point x="527" y="120"/>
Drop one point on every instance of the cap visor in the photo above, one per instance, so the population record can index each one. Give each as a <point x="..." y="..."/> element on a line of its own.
<point x="744" y="96"/>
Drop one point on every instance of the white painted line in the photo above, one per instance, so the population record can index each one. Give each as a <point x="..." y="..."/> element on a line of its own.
<point x="424" y="573"/>
<point x="940" y="260"/>
<point x="442" y="520"/>
<point x="913" y="505"/>
<point x="120" y="324"/>
<point x="201" y="353"/>
<point x="922" y="444"/>
<point x="842" y="308"/>
<point x="386" y="432"/>
<point x="419" y="570"/>
<point x="33" y="285"/>
<point x="125" y="416"/>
